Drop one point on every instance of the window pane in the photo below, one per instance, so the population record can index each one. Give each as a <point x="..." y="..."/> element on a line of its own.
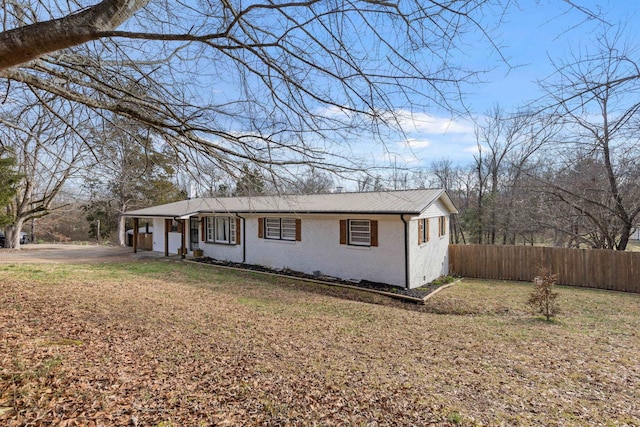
<point x="425" y="230"/>
<point x="288" y="228"/>
<point x="222" y="229"/>
<point x="272" y="227"/>
<point x="360" y="232"/>
<point x="209" y="230"/>
<point x="232" y="230"/>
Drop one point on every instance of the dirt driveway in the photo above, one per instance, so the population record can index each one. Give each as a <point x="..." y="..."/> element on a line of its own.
<point x="73" y="254"/>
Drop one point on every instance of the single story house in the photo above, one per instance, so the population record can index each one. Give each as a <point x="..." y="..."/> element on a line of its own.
<point x="396" y="237"/>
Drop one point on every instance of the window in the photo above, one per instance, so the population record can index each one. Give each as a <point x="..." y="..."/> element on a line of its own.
<point x="223" y="232"/>
<point x="359" y="232"/>
<point x="279" y="229"/>
<point x="221" y="229"/>
<point x="442" y="226"/>
<point x="209" y="230"/>
<point x="423" y="230"/>
<point x="288" y="229"/>
<point x="272" y="226"/>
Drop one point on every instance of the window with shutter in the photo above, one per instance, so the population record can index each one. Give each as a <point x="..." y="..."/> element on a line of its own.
<point x="359" y="232"/>
<point x="423" y="230"/>
<point x="220" y="229"/>
<point x="442" y="226"/>
<point x="282" y="229"/>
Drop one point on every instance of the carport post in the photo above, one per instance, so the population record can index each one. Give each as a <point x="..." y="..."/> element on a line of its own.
<point x="167" y="227"/>
<point x="135" y="235"/>
<point x="183" y="250"/>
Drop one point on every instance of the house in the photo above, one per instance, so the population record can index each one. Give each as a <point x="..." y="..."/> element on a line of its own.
<point x="396" y="237"/>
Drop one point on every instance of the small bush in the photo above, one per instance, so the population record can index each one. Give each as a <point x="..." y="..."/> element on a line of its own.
<point x="543" y="298"/>
<point x="443" y="280"/>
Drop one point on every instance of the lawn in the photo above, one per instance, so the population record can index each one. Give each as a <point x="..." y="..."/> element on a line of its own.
<point x="634" y="246"/>
<point x="170" y="344"/>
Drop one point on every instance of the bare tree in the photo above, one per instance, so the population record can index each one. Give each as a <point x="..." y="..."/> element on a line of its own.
<point x="597" y="166"/>
<point x="508" y="145"/>
<point x="310" y="181"/>
<point x="445" y="174"/>
<point x="48" y="150"/>
<point x="132" y="172"/>
<point x="273" y="85"/>
<point x="270" y="84"/>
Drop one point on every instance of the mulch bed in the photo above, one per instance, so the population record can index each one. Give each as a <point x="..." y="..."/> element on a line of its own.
<point x="419" y="293"/>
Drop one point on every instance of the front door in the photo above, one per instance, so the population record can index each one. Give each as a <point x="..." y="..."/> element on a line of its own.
<point x="194" y="227"/>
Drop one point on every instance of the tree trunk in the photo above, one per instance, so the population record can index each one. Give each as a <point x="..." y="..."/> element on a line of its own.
<point x="122" y="231"/>
<point x="12" y="238"/>
<point x="23" y="44"/>
<point x="624" y="237"/>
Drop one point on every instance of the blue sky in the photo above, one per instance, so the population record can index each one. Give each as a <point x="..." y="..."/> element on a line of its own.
<point x="531" y="34"/>
<point x="532" y="31"/>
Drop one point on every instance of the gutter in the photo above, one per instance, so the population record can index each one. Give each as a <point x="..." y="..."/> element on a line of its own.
<point x="244" y="238"/>
<point x="406" y="251"/>
<point x="267" y="212"/>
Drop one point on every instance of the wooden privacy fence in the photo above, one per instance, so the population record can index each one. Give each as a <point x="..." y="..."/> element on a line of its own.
<point x="594" y="268"/>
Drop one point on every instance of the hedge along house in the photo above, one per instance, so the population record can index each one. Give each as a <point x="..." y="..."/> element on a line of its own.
<point x="396" y="237"/>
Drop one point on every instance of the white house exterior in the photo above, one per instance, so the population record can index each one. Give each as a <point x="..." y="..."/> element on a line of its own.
<point x="397" y="237"/>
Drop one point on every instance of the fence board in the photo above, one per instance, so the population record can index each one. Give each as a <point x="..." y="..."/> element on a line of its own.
<point x="602" y="269"/>
<point x="145" y="241"/>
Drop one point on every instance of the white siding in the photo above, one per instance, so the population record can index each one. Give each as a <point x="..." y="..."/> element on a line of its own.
<point x="175" y="239"/>
<point x="429" y="260"/>
<point x="320" y="250"/>
<point x="175" y="242"/>
<point x="221" y="251"/>
<point x="158" y="234"/>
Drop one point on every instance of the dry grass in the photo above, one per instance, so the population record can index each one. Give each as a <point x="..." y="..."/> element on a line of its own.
<point x="634" y="246"/>
<point x="163" y="343"/>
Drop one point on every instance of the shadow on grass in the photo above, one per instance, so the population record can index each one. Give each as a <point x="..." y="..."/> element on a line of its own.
<point x="240" y="283"/>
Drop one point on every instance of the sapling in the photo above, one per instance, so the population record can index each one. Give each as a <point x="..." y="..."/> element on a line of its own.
<point x="543" y="299"/>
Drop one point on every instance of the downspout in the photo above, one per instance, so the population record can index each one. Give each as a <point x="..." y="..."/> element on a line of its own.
<point x="244" y="239"/>
<point x="406" y="251"/>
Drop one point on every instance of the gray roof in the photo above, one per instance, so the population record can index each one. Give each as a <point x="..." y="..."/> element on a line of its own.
<point x="383" y="202"/>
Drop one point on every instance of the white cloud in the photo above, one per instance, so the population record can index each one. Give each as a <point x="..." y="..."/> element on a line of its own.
<point x="418" y="143"/>
<point x="426" y="123"/>
<point x="334" y="111"/>
<point x="399" y="159"/>
<point x="423" y="138"/>
<point x="473" y="149"/>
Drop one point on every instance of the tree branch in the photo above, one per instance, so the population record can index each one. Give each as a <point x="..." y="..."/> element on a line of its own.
<point x="23" y="44"/>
